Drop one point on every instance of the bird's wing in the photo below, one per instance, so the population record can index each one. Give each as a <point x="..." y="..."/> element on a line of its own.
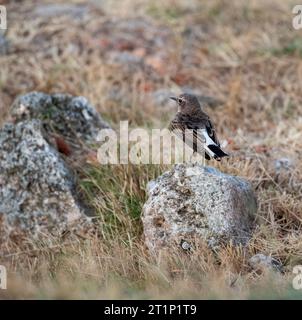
<point x="189" y="131"/>
<point x="199" y="134"/>
<point x="178" y="128"/>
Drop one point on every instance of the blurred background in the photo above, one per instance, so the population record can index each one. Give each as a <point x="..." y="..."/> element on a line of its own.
<point x="127" y="56"/>
<point x="243" y="57"/>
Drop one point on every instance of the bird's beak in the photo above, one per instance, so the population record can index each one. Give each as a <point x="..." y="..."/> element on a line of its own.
<point x="173" y="98"/>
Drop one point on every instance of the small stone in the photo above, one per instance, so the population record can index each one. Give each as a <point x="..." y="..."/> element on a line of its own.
<point x="58" y="9"/>
<point x="125" y="58"/>
<point x="260" y="262"/>
<point x="185" y="245"/>
<point x="283" y="164"/>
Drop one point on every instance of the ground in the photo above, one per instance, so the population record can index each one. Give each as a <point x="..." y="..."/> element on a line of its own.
<point x="122" y="58"/>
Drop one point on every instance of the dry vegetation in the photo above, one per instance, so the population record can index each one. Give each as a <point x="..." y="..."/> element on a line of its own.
<point x="247" y="55"/>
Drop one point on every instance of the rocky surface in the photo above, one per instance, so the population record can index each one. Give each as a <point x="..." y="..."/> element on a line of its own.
<point x="72" y="118"/>
<point x="194" y="201"/>
<point x="37" y="189"/>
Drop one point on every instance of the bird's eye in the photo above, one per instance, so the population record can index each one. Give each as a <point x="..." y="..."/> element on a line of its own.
<point x="180" y="100"/>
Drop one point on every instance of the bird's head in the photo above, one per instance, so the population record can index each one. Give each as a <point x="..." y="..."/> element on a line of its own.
<point x="187" y="103"/>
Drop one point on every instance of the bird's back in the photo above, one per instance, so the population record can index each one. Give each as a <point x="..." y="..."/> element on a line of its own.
<point x="191" y="117"/>
<point x="195" y="121"/>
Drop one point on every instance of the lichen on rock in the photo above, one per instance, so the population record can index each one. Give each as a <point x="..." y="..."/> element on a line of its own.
<point x="37" y="189"/>
<point x="73" y="118"/>
<point x="262" y="263"/>
<point x="192" y="201"/>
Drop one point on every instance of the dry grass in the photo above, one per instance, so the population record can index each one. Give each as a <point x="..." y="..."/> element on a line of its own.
<point x="246" y="55"/>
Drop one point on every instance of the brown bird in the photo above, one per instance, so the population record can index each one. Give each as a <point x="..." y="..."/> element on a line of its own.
<point x="190" y="116"/>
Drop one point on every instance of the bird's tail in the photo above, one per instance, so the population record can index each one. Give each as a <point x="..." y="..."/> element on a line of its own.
<point x="212" y="149"/>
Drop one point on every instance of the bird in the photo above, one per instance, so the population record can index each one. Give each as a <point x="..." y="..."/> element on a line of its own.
<point x="190" y="116"/>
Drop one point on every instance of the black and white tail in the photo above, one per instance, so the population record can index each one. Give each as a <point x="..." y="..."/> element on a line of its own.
<point x="212" y="148"/>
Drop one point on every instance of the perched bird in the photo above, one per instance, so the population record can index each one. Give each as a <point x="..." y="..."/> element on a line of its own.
<point x="190" y="116"/>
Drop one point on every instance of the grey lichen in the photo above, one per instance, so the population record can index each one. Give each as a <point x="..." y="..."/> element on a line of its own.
<point x="37" y="189"/>
<point x="74" y="118"/>
<point x="197" y="201"/>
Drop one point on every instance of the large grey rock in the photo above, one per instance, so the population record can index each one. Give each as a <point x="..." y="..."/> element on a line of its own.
<point x="37" y="189"/>
<point x="194" y="201"/>
<point x="73" y="118"/>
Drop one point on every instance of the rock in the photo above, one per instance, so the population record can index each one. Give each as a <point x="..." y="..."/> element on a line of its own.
<point x="4" y="45"/>
<point x="284" y="173"/>
<point x="261" y="263"/>
<point x="283" y="164"/>
<point x="125" y="57"/>
<point x="127" y="60"/>
<point x="192" y="201"/>
<point x="37" y="189"/>
<point x="73" y="118"/>
<point x="161" y="98"/>
<point x="59" y="9"/>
